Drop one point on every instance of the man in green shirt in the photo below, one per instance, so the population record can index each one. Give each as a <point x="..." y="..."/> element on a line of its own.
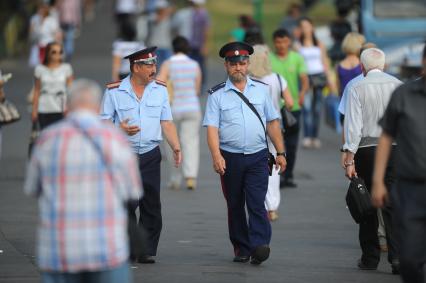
<point x="291" y="66"/>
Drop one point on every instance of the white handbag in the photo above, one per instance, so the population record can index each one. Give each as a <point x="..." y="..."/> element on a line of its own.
<point x="8" y="113"/>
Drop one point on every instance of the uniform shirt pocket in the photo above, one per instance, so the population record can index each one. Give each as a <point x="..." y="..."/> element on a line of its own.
<point x="230" y="112"/>
<point x="153" y="108"/>
<point x="259" y="105"/>
<point x="127" y="111"/>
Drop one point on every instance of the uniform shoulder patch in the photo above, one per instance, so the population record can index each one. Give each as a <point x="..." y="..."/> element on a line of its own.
<point x="113" y="84"/>
<point x="163" y="83"/>
<point x="258" y="81"/>
<point x="216" y="87"/>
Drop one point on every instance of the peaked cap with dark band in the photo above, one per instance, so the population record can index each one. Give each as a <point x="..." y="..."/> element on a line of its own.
<point x="236" y="51"/>
<point x="144" y="56"/>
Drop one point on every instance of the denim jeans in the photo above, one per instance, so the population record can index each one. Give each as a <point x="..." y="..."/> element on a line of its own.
<point x="69" y="33"/>
<point x="120" y="274"/>
<point x="312" y="113"/>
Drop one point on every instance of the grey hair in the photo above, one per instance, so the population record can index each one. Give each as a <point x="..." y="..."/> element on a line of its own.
<point x="84" y="91"/>
<point x="373" y="58"/>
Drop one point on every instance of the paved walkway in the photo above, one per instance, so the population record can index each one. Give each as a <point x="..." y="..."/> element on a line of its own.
<point x="314" y="239"/>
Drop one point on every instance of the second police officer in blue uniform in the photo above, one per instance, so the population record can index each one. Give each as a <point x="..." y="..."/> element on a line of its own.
<point x="139" y="105"/>
<point x="236" y="138"/>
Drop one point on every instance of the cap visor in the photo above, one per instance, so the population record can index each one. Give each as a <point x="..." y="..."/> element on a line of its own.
<point x="236" y="58"/>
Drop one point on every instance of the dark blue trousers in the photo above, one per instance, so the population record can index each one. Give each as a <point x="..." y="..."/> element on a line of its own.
<point x="150" y="205"/>
<point x="245" y="182"/>
<point x="291" y="140"/>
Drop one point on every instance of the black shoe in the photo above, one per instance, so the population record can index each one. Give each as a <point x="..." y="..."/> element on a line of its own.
<point x="395" y="266"/>
<point x="364" y="266"/>
<point x="241" y="258"/>
<point x="288" y="183"/>
<point x="146" y="259"/>
<point x="260" y="254"/>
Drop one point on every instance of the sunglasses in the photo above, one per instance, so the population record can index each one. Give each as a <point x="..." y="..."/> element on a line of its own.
<point x="56" y="52"/>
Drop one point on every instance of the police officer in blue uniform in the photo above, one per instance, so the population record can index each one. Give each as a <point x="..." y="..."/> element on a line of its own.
<point x="139" y="105"/>
<point x="236" y="140"/>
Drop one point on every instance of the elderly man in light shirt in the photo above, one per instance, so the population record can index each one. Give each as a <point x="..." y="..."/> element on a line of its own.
<point x="366" y="102"/>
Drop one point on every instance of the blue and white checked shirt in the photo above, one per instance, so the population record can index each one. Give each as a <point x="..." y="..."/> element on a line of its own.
<point x="83" y="222"/>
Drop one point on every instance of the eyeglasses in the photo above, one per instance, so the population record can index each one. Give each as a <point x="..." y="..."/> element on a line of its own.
<point x="56" y="52"/>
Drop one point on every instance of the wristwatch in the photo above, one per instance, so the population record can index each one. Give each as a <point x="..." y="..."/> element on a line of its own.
<point x="343" y="150"/>
<point x="282" y="153"/>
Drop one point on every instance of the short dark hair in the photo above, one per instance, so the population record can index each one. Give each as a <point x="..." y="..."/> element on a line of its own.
<point x="254" y="36"/>
<point x="281" y="33"/>
<point x="180" y="44"/>
<point x="127" y="31"/>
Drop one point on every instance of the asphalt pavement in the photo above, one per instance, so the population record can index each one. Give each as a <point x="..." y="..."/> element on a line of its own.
<point x="314" y="240"/>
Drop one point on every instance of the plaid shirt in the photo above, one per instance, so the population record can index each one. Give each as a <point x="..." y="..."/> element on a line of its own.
<point x="83" y="221"/>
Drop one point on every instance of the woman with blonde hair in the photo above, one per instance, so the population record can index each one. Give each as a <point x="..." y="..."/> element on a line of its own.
<point x="52" y="78"/>
<point x="350" y="66"/>
<point x="260" y="69"/>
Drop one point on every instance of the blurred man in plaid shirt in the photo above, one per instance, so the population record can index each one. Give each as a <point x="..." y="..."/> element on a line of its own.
<point x="83" y="172"/>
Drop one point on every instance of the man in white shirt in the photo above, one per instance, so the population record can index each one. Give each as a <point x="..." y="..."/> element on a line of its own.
<point x="367" y="100"/>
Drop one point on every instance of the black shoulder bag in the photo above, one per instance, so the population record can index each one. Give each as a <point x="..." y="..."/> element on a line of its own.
<point x="271" y="158"/>
<point x="358" y="200"/>
<point x="137" y="235"/>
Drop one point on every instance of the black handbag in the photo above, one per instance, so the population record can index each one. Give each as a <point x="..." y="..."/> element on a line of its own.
<point x="271" y="158"/>
<point x="358" y="200"/>
<point x="288" y="119"/>
<point x="137" y="234"/>
<point x="318" y="80"/>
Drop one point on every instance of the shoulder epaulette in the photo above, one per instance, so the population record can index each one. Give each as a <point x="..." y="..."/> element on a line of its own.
<point x="163" y="83"/>
<point x="216" y="87"/>
<point x="258" y="81"/>
<point x="113" y="84"/>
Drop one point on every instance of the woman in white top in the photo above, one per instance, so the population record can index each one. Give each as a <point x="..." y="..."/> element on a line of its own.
<point x="315" y="55"/>
<point x="52" y="78"/>
<point x="260" y="69"/>
<point x="125" y="45"/>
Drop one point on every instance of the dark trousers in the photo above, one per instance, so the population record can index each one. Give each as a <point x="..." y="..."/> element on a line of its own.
<point x="47" y="119"/>
<point x="368" y="238"/>
<point x="150" y="205"/>
<point x="291" y="140"/>
<point x="246" y="182"/>
<point x="409" y="200"/>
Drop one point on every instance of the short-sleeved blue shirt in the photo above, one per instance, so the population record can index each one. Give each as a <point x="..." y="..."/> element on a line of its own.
<point x="121" y="103"/>
<point x="240" y="131"/>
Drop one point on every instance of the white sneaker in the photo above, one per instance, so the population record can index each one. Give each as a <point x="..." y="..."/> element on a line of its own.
<point x="307" y="143"/>
<point x="316" y="143"/>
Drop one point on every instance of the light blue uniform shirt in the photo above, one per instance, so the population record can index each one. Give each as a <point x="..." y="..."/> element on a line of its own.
<point x="121" y="103"/>
<point x="240" y="131"/>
